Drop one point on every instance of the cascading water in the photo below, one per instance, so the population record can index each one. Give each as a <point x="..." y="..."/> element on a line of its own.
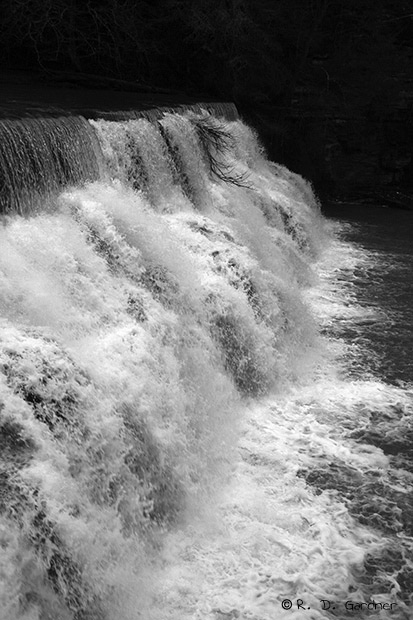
<point x="40" y="156"/>
<point x="177" y="413"/>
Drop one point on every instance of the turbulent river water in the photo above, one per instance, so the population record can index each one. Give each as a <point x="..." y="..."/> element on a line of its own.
<point x="205" y="385"/>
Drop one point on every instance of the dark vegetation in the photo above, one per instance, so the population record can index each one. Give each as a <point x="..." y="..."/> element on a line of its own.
<point x="215" y="142"/>
<point x="328" y="83"/>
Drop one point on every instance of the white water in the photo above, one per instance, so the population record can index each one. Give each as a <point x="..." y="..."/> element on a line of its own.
<point x="165" y="383"/>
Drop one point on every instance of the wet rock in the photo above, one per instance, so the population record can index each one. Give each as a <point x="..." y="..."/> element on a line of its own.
<point x="239" y="356"/>
<point x="161" y="284"/>
<point x="163" y="493"/>
<point x="63" y="573"/>
<point x="48" y="380"/>
<point x="135" y="308"/>
<point x="136" y="173"/>
<point x="15" y="446"/>
<point x="179" y="174"/>
<point x="20" y="503"/>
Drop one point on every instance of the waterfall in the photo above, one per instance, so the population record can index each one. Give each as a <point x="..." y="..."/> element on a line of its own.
<point x="41" y="155"/>
<point x="155" y="279"/>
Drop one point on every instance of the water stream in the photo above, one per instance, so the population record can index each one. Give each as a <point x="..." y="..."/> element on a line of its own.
<point x="205" y="385"/>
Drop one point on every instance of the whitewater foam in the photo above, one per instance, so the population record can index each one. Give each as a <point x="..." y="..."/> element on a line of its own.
<point x="176" y="395"/>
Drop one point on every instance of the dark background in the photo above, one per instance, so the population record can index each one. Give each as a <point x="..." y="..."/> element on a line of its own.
<point x="327" y="83"/>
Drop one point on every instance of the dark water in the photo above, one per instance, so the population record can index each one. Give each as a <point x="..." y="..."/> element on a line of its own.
<point x="373" y="276"/>
<point x="385" y="284"/>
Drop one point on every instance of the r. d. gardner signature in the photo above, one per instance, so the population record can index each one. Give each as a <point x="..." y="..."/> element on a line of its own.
<point x="350" y="606"/>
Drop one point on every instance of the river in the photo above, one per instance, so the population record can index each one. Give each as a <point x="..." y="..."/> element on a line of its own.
<point x="206" y="394"/>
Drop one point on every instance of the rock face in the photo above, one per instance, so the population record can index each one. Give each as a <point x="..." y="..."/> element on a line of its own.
<point x="364" y="154"/>
<point x="346" y="149"/>
<point x="349" y="156"/>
